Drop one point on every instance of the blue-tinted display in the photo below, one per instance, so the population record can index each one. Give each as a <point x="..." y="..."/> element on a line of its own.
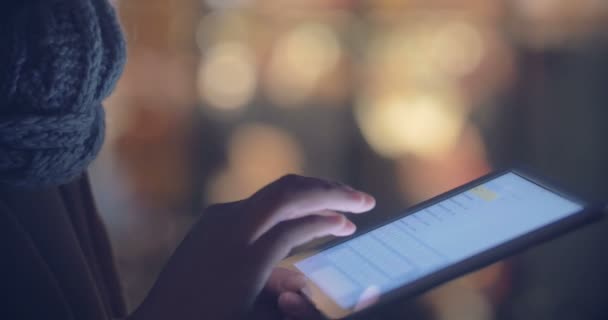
<point x="432" y="238"/>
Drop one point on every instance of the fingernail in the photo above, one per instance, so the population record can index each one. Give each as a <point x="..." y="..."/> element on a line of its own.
<point x="365" y="198"/>
<point x="350" y="227"/>
<point x="347" y="229"/>
<point x="369" y="200"/>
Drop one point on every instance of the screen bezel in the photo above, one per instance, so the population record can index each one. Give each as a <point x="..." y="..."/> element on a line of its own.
<point x="587" y="214"/>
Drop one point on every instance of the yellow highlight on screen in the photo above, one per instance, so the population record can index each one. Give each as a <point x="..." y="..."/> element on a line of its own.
<point x="484" y="193"/>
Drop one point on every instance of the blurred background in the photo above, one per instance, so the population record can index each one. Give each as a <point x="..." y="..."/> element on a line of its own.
<point x="404" y="99"/>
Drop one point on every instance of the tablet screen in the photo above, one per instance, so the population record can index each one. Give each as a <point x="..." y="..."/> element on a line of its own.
<point x="434" y="237"/>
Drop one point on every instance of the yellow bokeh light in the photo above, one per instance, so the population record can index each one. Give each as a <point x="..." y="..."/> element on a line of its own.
<point x="257" y="155"/>
<point x="428" y="52"/>
<point x="300" y="59"/>
<point x="403" y="57"/>
<point x="422" y="178"/>
<point x="421" y="124"/>
<point x="224" y="26"/>
<point x="457" y="48"/>
<point x="556" y="23"/>
<point x="227" y="4"/>
<point x="227" y="76"/>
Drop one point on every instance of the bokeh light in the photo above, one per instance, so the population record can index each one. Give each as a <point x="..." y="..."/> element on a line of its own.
<point x="457" y="48"/>
<point x="423" y="124"/>
<point x="427" y="52"/>
<point x="554" y="23"/>
<point x="227" y="4"/>
<point x="227" y="76"/>
<point x="421" y="178"/>
<point x="257" y="155"/>
<point x="300" y="59"/>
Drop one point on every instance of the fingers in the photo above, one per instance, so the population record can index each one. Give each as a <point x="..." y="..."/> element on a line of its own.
<point x="278" y="242"/>
<point x="282" y="280"/>
<point x="292" y="197"/>
<point x="296" y="306"/>
<point x="285" y="284"/>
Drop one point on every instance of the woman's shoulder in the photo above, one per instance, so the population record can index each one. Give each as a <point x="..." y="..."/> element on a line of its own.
<point x="57" y="253"/>
<point x="31" y="287"/>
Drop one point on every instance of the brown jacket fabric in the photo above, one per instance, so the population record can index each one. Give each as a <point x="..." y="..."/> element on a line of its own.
<point x="55" y="256"/>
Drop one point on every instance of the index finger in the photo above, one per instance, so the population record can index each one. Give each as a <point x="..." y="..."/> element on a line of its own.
<point x="293" y="197"/>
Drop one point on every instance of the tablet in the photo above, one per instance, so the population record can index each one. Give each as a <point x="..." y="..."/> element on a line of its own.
<point x="438" y="240"/>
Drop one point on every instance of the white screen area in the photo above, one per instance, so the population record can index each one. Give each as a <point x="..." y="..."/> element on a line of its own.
<point x="434" y="237"/>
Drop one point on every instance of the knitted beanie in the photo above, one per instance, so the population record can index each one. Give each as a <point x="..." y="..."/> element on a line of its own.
<point x="58" y="61"/>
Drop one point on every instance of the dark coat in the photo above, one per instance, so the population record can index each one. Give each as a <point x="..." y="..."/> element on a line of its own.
<point x="56" y="261"/>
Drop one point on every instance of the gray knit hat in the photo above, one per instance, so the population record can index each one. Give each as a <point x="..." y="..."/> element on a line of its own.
<point x="59" y="59"/>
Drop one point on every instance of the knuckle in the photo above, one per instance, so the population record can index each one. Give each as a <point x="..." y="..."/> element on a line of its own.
<point x="289" y="180"/>
<point x="284" y="189"/>
<point x="288" y="187"/>
<point x="276" y="198"/>
<point x="324" y="185"/>
<point x="297" y="183"/>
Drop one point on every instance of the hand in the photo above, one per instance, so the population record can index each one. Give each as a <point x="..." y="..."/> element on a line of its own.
<point x="222" y="265"/>
<point x="287" y="285"/>
<point x="281" y="298"/>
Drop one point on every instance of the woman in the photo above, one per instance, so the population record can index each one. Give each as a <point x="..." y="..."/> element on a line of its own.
<point x="59" y="60"/>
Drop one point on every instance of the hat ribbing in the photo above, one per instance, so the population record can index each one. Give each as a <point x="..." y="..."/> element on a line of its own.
<point x="60" y="59"/>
